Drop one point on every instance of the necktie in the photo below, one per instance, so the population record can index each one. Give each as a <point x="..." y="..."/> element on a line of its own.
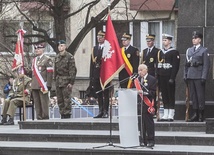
<point x="194" y="49"/>
<point x="148" y="51"/>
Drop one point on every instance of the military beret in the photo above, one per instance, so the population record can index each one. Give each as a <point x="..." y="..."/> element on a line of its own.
<point x="167" y="36"/>
<point x="101" y="33"/>
<point x="196" y="34"/>
<point x="39" y="46"/>
<point x="150" y="37"/>
<point x="126" y="36"/>
<point x="61" y="42"/>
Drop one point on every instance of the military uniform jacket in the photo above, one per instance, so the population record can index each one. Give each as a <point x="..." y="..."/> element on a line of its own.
<point x="96" y="60"/>
<point x="65" y="69"/>
<point x="197" y="63"/>
<point x="150" y="60"/>
<point x="18" y="87"/>
<point x="132" y="53"/>
<point x="168" y="63"/>
<point x="44" y="64"/>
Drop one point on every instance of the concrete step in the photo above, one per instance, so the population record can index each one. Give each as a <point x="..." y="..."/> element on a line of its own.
<point x="101" y="136"/>
<point x="104" y="124"/>
<point x="62" y="148"/>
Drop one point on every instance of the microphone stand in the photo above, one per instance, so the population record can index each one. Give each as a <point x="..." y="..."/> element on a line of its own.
<point x="110" y="143"/>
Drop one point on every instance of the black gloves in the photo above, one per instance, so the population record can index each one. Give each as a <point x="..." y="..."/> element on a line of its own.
<point x="49" y="88"/>
<point x="203" y="81"/>
<point x="171" y="81"/>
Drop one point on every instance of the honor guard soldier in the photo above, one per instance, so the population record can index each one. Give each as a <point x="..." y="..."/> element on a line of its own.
<point x="167" y="68"/>
<point x="195" y="75"/>
<point x="131" y="57"/>
<point x="65" y="74"/>
<point x="96" y="59"/>
<point x="15" y="98"/>
<point x="42" y="76"/>
<point x="149" y="55"/>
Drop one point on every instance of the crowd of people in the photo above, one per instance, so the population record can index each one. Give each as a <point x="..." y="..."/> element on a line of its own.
<point x="36" y="87"/>
<point x="157" y="70"/>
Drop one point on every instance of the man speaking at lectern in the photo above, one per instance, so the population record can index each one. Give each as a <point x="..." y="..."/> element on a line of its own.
<point x="147" y="96"/>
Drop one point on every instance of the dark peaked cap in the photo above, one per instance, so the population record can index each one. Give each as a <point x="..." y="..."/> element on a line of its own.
<point x="126" y="36"/>
<point x="150" y="36"/>
<point x="196" y="34"/>
<point x="101" y="33"/>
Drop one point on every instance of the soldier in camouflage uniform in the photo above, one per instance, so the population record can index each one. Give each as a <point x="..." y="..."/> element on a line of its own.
<point x="41" y="82"/>
<point x="64" y="74"/>
<point x="15" y="98"/>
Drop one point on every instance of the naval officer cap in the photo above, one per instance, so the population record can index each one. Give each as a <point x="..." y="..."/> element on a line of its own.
<point x="39" y="46"/>
<point x="167" y="36"/>
<point x="150" y="37"/>
<point x="126" y="36"/>
<point x="197" y="34"/>
<point x="101" y="33"/>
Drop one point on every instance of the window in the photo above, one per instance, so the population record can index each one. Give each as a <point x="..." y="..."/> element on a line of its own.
<point x="160" y="27"/>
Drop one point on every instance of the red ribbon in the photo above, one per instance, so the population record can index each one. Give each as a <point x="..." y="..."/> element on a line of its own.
<point x="145" y="99"/>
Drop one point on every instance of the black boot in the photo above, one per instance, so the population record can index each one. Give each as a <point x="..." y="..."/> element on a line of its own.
<point x="105" y="114"/>
<point x="201" y="116"/>
<point x="195" y="117"/>
<point x="67" y="116"/>
<point x="100" y="115"/>
<point x="10" y="121"/>
<point x="4" y="120"/>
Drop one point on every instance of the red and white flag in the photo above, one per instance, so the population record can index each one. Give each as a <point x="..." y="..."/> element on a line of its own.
<point x="18" y="62"/>
<point x="112" y="61"/>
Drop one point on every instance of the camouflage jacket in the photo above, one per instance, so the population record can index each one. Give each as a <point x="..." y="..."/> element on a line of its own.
<point x="64" y="69"/>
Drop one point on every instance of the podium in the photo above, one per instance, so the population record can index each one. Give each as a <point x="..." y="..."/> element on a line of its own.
<point x="128" y="119"/>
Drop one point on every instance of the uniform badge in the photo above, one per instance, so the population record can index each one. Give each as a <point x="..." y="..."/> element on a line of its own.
<point x="151" y="59"/>
<point x="128" y="55"/>
<point x="50" y="63"/>
<point x="40" y="68"/>
<point x="145" y="83"/>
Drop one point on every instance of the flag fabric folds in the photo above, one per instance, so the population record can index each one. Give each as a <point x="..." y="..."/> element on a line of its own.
<point x="112" y="61"/>
<point x="18" y="62"/>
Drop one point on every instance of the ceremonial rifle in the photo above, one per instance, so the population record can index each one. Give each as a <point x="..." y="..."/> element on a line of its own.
<point x="187" y="103"/>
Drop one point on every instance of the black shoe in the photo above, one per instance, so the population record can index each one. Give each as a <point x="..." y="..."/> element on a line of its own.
<point x="143" y="144"/>
<point x="170" y="120"/>
<point x="150" y="145"/>
<point x="66" y="116"/>
<point x="10" y="122"/>
<point x="105" y="115"/>
<point x="4" y="120"/>
<point x="100" y="115"/>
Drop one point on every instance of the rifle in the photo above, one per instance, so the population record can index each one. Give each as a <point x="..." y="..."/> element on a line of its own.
<point x="158" y="103"/>
<point x="187" y="103"/>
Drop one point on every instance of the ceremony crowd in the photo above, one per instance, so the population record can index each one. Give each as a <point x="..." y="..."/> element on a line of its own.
<point x="151" y="71"/>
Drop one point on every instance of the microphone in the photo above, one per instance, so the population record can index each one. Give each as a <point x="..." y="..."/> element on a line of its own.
<point x="134" y="76"/>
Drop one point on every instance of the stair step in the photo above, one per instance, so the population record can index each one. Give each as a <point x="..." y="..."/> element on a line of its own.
<point x="56" y="148"/>
<point x="104" y="124"/>
<point x="100" y="136"/>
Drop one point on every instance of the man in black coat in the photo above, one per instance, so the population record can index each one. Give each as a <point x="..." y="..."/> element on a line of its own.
<point x="148" y="85"/>
<point x="167" y="68"/>
<point x="96" y="59"/>
<point x="195" y="74"/>
<point x="131" y="57"/>
<point x="149" y="55"/>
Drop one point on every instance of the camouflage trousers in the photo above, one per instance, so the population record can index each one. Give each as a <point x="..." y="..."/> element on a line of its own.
<point x="64" y="100"/>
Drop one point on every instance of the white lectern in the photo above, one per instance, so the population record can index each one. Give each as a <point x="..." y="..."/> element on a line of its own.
<point x="128" y="119"/>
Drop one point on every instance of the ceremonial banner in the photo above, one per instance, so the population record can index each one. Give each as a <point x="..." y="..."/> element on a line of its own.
<point x="128" y="119"/>
<point x="18" y="62"/>
<point x="112" y="61"/>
